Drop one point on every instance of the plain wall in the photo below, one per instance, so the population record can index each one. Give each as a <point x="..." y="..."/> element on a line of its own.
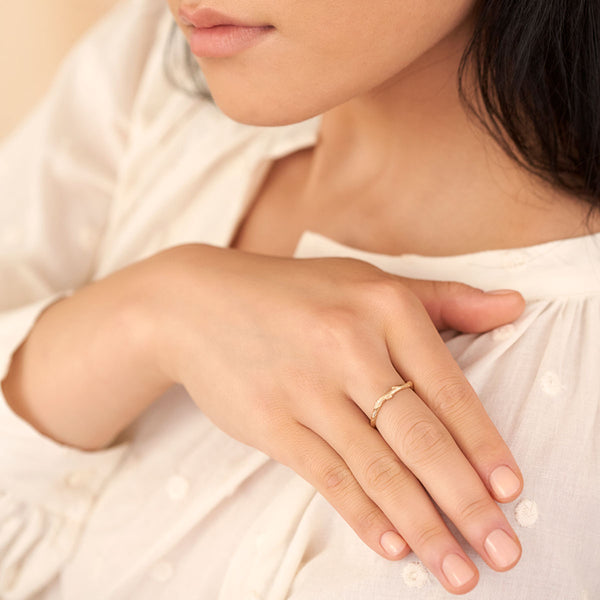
<point x="34" y="37"/>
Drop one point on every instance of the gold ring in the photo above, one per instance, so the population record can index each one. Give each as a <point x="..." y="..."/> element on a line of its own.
<point x="397" y="388"/>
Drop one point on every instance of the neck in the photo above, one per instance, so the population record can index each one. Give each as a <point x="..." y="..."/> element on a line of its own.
<point x="410" y="152"/>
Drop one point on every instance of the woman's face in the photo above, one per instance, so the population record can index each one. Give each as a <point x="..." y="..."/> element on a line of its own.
<point x="322" y="53"/>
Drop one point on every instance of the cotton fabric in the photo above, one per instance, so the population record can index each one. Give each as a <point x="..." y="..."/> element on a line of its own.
<point x="116" y="165"/>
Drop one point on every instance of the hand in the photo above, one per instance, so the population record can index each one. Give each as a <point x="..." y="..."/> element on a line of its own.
<point x="289" y="356"/>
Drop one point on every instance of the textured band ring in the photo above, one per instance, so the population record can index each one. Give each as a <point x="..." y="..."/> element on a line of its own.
<point x="397" y="388"/>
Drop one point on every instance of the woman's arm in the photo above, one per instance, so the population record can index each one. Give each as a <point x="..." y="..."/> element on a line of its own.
<point x="86" y="369"/>
<point x="289" y="356"/>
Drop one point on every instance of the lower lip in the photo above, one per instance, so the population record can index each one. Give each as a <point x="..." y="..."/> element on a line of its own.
<point x="226" y="40"/>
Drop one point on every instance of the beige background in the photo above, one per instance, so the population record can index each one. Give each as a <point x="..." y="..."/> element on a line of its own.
<point x="34" y="36"/>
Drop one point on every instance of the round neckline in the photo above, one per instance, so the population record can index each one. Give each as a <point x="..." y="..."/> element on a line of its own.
<point x="560" y="268"/>
<point x="485" y="256"/>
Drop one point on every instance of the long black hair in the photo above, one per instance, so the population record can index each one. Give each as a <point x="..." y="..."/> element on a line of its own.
<point x="536" y="64"/>
<point x="537" y="68"/>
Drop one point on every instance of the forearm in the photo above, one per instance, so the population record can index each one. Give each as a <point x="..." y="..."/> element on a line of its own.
<point x="86" y="372"/>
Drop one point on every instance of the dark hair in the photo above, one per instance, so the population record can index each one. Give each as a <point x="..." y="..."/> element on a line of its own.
<point x="537" y="68"/>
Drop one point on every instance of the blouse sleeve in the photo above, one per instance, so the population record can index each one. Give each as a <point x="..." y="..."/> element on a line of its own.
<point x="59" y="172"/>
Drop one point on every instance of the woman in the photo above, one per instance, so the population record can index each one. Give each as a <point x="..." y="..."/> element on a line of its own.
<point x="187" y="219"/>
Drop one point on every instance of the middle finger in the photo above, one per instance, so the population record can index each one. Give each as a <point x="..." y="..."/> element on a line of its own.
<point x="425" y="446"/>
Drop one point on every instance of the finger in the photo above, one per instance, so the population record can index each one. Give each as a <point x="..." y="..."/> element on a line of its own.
<point x="430" y="452"/>
<point x="453" y="305"/>
<point x="424" y="445"/>
<point x="314" y="460"/>
<point x="420" y="355"/>
<point x="396" y="491"/>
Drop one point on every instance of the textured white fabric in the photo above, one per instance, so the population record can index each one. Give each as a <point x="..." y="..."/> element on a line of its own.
<point x="116" y="165"/>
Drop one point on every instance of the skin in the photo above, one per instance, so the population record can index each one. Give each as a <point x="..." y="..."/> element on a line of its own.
<point x="307" y="371"/>
<point x="395" y="143"/>
<point x="394" y="135"/>
<point x="322" y="53"/>
<point x="384" y="79"/>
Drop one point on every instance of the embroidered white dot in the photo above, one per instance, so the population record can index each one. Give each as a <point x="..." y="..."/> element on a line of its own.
<point x="515" y="261"/>
<point x="503" y="333"/>
<point x="551" y="383"/>
<point x="526" y="513"/>
<point x="415" y="575"/>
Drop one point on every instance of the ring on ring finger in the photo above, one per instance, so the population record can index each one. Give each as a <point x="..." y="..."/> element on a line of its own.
<point x="388" y="396"/>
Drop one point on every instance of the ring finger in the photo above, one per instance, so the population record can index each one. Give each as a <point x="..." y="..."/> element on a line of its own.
<point x="423" y="444"/>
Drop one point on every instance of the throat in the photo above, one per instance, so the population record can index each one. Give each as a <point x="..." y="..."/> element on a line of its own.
<point x="439" y="221"/>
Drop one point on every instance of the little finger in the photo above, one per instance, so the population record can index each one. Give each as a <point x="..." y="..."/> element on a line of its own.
<point x="401" y="497"/>
<point x="314" y="460"/>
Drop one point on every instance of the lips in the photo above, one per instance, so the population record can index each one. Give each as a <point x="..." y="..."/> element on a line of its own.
<point x="216" y="35"/>
<point x="205" y="18"/>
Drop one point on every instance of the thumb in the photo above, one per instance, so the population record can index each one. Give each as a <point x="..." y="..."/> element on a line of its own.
<point x="453" y="305"/>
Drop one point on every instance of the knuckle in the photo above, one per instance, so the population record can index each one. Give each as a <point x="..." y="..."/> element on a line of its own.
<point x="336" y="480"/>
<point x="370" y="519"/>
<point x="474" y="510"/>
<point x="333" y="330"/>
<point x="425" y="441"/>
<point x="429" y="536"/>
<point x="381" y="472"/>
<point x="488" y="450"/>
<point x="386" y="289"/>
<point x="386" y="293"/>
<point x="452" y="396"/>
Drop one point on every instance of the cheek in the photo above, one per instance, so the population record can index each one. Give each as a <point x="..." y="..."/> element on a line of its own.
<point x="320" y="57"/>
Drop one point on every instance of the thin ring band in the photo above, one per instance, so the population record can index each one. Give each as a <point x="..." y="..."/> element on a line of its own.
<point x="397" y="388"/>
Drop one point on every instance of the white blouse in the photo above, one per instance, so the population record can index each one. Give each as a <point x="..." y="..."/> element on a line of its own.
<point x="114" y="166"/>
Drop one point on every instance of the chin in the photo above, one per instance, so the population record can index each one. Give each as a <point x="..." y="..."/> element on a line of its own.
<point x="254" y="108"/>
<point x="266" y="99"/>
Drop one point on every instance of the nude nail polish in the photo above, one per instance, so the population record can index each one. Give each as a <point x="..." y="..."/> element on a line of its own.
<point x="392" y="543"/>
<point x="457" y="571"/>
<point x="504" y="482"/>
<point x="501" y="548"/>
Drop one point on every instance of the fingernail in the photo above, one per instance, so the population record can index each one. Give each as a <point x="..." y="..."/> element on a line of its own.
<point x="457" y="571"/>
<point x="501" y="548"/>
<point x="500" y="292"/>
<point x="392" y="543"/>
<point x="504" y="482"/>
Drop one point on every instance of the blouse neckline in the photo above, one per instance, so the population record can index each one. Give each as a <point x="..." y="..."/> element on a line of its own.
<point x="561" y="268"/>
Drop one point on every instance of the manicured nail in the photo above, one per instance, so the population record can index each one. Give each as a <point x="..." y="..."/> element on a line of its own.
<point x="500" y="292"/>
<point x="457" y="571"/>
<point x="392" y="543"/>
<point x="504" y="482"/>
<point x="501" y="548"/>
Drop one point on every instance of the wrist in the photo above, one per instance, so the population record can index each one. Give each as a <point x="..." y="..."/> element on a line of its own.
<point x="156" y="309"/>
